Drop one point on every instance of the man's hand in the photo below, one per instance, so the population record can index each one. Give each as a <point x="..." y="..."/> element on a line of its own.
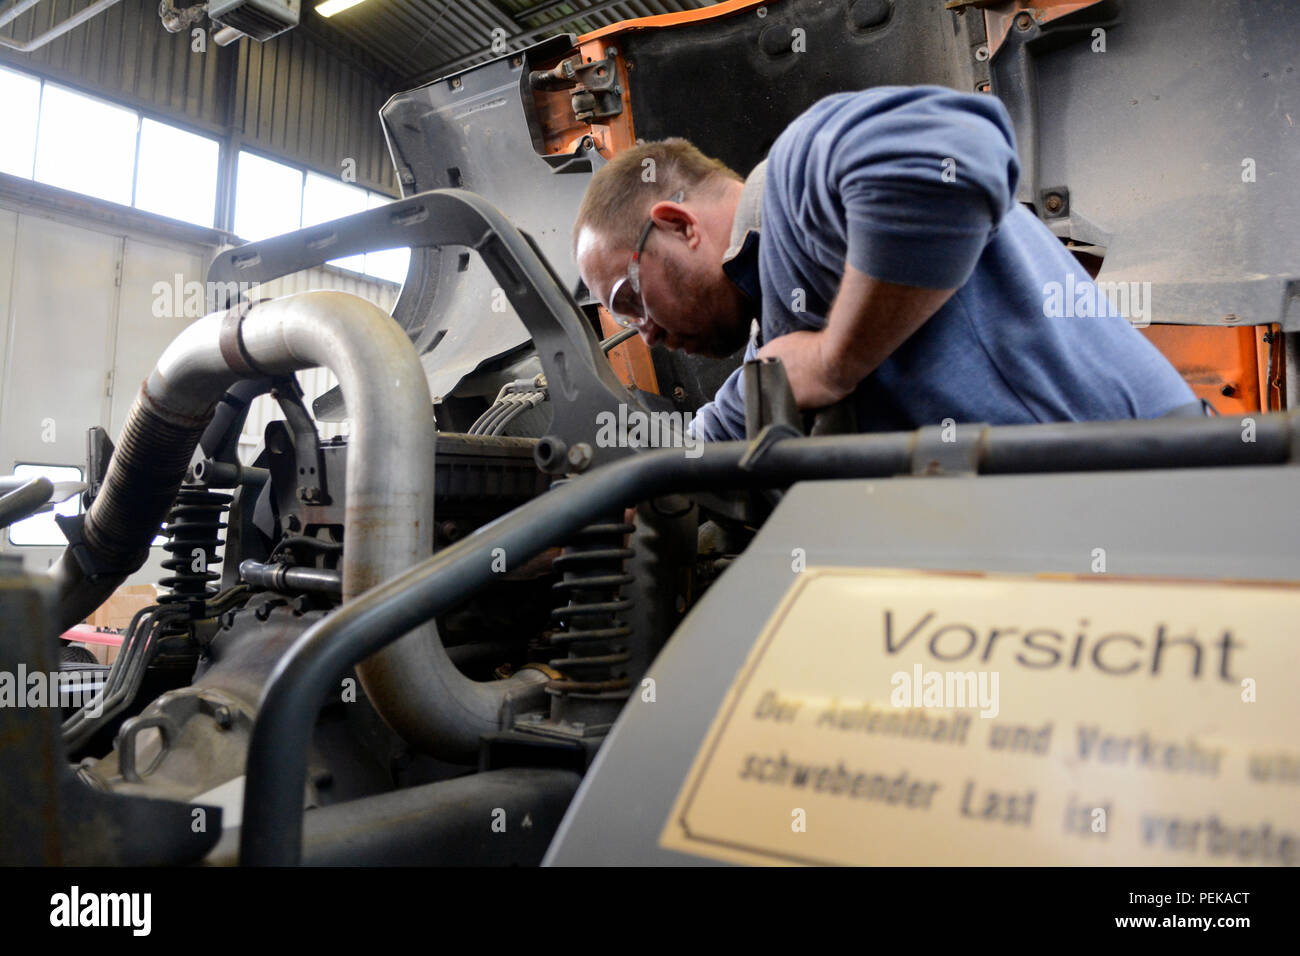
<point x="812" y="380"/>
<point x="867" y="321"/>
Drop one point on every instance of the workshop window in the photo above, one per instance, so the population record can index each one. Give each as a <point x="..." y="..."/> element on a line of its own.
<point x="156" y="167"/>
<point x="268" y="198"/>
<point x="273" y="198"/>
<point x="86" y="145"/>
<point x="177" y="173"/>
<point x="40" y="529"/>
<point x="20" y="105"/>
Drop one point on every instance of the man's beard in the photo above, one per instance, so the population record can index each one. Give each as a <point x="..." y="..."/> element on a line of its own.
<point x="723" y="336"/>
<point x="721" y="341"/>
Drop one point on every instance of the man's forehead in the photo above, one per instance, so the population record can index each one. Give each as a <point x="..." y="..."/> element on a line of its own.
<point x="593" y="247"/>
<point x="598" y="260"/>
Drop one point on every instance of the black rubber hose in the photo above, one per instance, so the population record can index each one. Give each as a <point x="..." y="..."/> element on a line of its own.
<point x="144" y="474"/>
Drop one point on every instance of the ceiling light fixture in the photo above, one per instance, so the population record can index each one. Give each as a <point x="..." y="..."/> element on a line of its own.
<point x="331" y="7"/>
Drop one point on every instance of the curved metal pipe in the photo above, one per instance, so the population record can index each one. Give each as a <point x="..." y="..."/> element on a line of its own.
<point x="389" y="509"/>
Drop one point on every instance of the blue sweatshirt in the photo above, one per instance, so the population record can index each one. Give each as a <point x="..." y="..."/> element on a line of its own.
<point x="916" y="185"/>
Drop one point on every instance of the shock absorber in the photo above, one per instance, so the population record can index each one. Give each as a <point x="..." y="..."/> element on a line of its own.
<point x="193" y="531"/>
<point x="590" y="638"/>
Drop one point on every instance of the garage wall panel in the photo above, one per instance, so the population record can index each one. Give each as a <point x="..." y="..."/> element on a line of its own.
<point x="55" y="380"/>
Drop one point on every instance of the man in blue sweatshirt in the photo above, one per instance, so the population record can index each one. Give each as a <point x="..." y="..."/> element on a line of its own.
<point x="882" y="249"/>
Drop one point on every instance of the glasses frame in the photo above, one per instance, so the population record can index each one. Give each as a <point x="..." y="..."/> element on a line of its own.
<point x="633" y="275"/>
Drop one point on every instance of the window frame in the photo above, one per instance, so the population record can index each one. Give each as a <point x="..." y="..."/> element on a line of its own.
<point x="141" y="114"/>
<point x="229" y="147"/>
<point x="60" y="542"/>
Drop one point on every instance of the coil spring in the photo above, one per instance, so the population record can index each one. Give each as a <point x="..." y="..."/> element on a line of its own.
<point x="193" y="535"/>
<point x="588" y="626"/>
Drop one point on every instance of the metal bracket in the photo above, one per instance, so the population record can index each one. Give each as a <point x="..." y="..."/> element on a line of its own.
<point x="99" y="450"/>
<point x="599" y="95"/>
<point x="309" y="459"/>
<point x="768" y="398"/>
<point x="769" y="436"/>
<point x="1054" y="202"/>
<point x="949" y="449"/>
<point x="73" y="528"/>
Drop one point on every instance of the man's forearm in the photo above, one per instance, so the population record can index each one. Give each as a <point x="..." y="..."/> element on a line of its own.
<point x="868" y="320"/>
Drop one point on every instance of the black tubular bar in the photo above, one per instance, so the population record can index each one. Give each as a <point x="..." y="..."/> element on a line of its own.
<point x="318" y="661"/>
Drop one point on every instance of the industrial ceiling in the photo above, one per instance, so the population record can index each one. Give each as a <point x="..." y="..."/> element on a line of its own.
<point x="423" y="39"/>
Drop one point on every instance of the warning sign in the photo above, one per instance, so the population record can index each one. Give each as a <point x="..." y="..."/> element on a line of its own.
<point x="894" y="718"/>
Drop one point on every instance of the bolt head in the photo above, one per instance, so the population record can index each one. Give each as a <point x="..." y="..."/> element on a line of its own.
<point x="1024" y="21"/>
<point x="580" y="456"/>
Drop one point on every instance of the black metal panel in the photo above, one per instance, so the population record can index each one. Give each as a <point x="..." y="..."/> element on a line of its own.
<point x="731" y="85"/>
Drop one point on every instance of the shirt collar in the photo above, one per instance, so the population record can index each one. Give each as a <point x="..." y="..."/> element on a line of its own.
<point x="740" y="261"/>
<point x="749" y="211"/>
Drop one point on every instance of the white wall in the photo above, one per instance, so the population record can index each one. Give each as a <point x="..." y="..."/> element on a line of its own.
<point x="79" y="331"/>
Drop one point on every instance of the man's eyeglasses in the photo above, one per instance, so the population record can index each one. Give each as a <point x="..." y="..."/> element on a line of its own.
<point x="626" y="303"/>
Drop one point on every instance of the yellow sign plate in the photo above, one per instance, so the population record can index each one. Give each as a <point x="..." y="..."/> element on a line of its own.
<point x="914" y="718"/>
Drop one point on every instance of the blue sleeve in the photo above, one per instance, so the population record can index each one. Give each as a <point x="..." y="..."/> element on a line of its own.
<point x="924" y="176"/>
<point x="723" y="419"/>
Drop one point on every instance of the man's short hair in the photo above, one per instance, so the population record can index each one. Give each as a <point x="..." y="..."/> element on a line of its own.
<point x="620" y="195"/>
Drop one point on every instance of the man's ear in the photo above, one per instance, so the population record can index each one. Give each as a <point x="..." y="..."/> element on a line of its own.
<point x="676" y="219"/>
